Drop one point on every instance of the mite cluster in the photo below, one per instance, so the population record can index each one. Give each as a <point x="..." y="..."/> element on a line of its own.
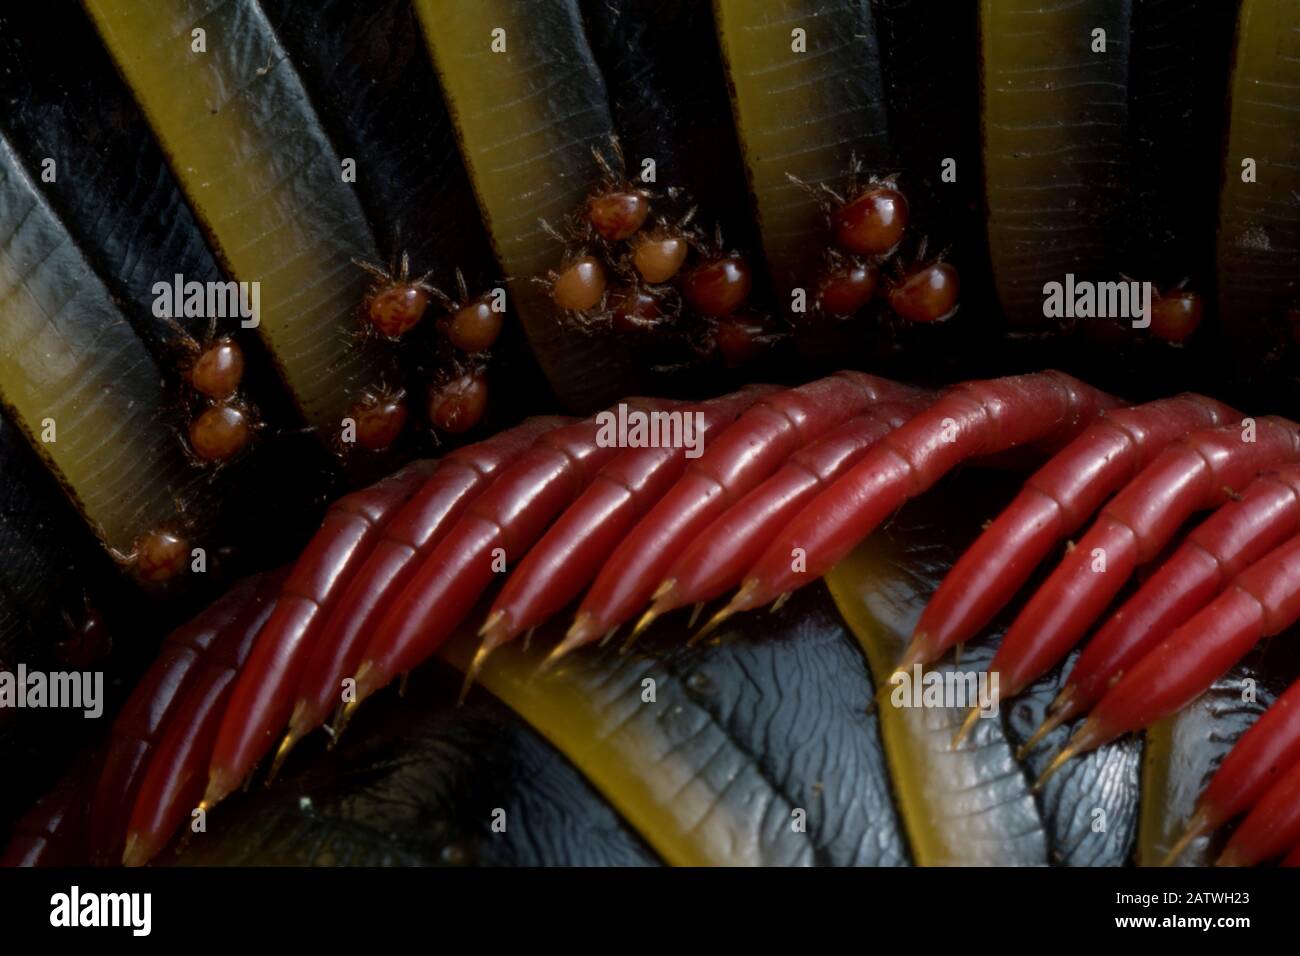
<point x="220" y="426"/>
<point x="661" y="287"/>
<point x="867" y="225"/>
<point x="466" y="330"/>
<point x="221" y="423"/>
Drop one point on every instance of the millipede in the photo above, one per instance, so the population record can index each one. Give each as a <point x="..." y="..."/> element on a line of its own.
<point x="948" y="571"/>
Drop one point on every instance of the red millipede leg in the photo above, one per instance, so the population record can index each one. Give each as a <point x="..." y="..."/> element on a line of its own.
<point x="720" y="554"/>
<point x="977" y="418"/>
<point x="1261" y="601"/>
<point x="406" y="540"/>
<point x="1293" y="858"/>
<point x="1264" y="751"/>
<point x="1055" y="502"/>
<point x="1234" y="537"/>
<point x="53" y="832"/>
<point x="173" y="771"/>
<point x="262" y="698"/>
<point x="497" y="529"/>
<point x="1198" y="472"/>
<point x="1271" y="828"/>
<point x="741" y="457"/>
<point x="175" y="778"/>
<point x="154" y="700"/>
<point x="571" y="553"/>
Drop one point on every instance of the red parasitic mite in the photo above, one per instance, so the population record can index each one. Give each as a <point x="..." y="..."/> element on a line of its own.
<point x="213" y="368"/>
<point x="472" y="325"/>
<point x="718" y="287"/>
<point x="220" y="423"/>
<point x="866" y="219"/>
<point x="872" y="223"/>
<point x="579" y="285"/>
<point x="618" y="208"/>
<point x="617" y="215"/>
<point x="635" y="309"/>
<point x="626" y="290"/>
<point x="157" y="556"/>
<point x="741" y="338"/>
<point x="1176" y="314"/>
<point x="720" y="283"/>
<point x="378" y="417"/>
<point x="220" y="432"/>
<point x="457" y="405"/>
<point x="659" y="255"/>
<point x="927" y="292"/>
<point x="846" y="285"/>
<point x="395" y="303"/>
<point x="218" y="370"/>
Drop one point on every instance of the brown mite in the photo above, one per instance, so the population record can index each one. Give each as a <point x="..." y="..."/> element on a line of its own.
<point x="395" y="303"/>
<point x="740" y="339"/>
<point x="159" y="556"/>
<point x="634" y="310"/>
<point x="659" y="257"/>
<point x="474" y="327"/>
<point x="459" y="404"/>
<point x="214" y="367"/>
<point x="580" y="284"/>
<point x="618" y="208"/>
<point x="618" y="215"/>
<point x="846" y="287"/>
<point x="396" y="310"/>
<point x="218" y="370"/>
<point x="872" y="219"/>
<point x="220" y="432"/>
<point x="379" y="416"/>
<point x="719" y="285"/>
<point x="1176" y="315"/>
<point x="471" y="325"/>
<point x="872" y="223"/>
<point x="926" y="293"/>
